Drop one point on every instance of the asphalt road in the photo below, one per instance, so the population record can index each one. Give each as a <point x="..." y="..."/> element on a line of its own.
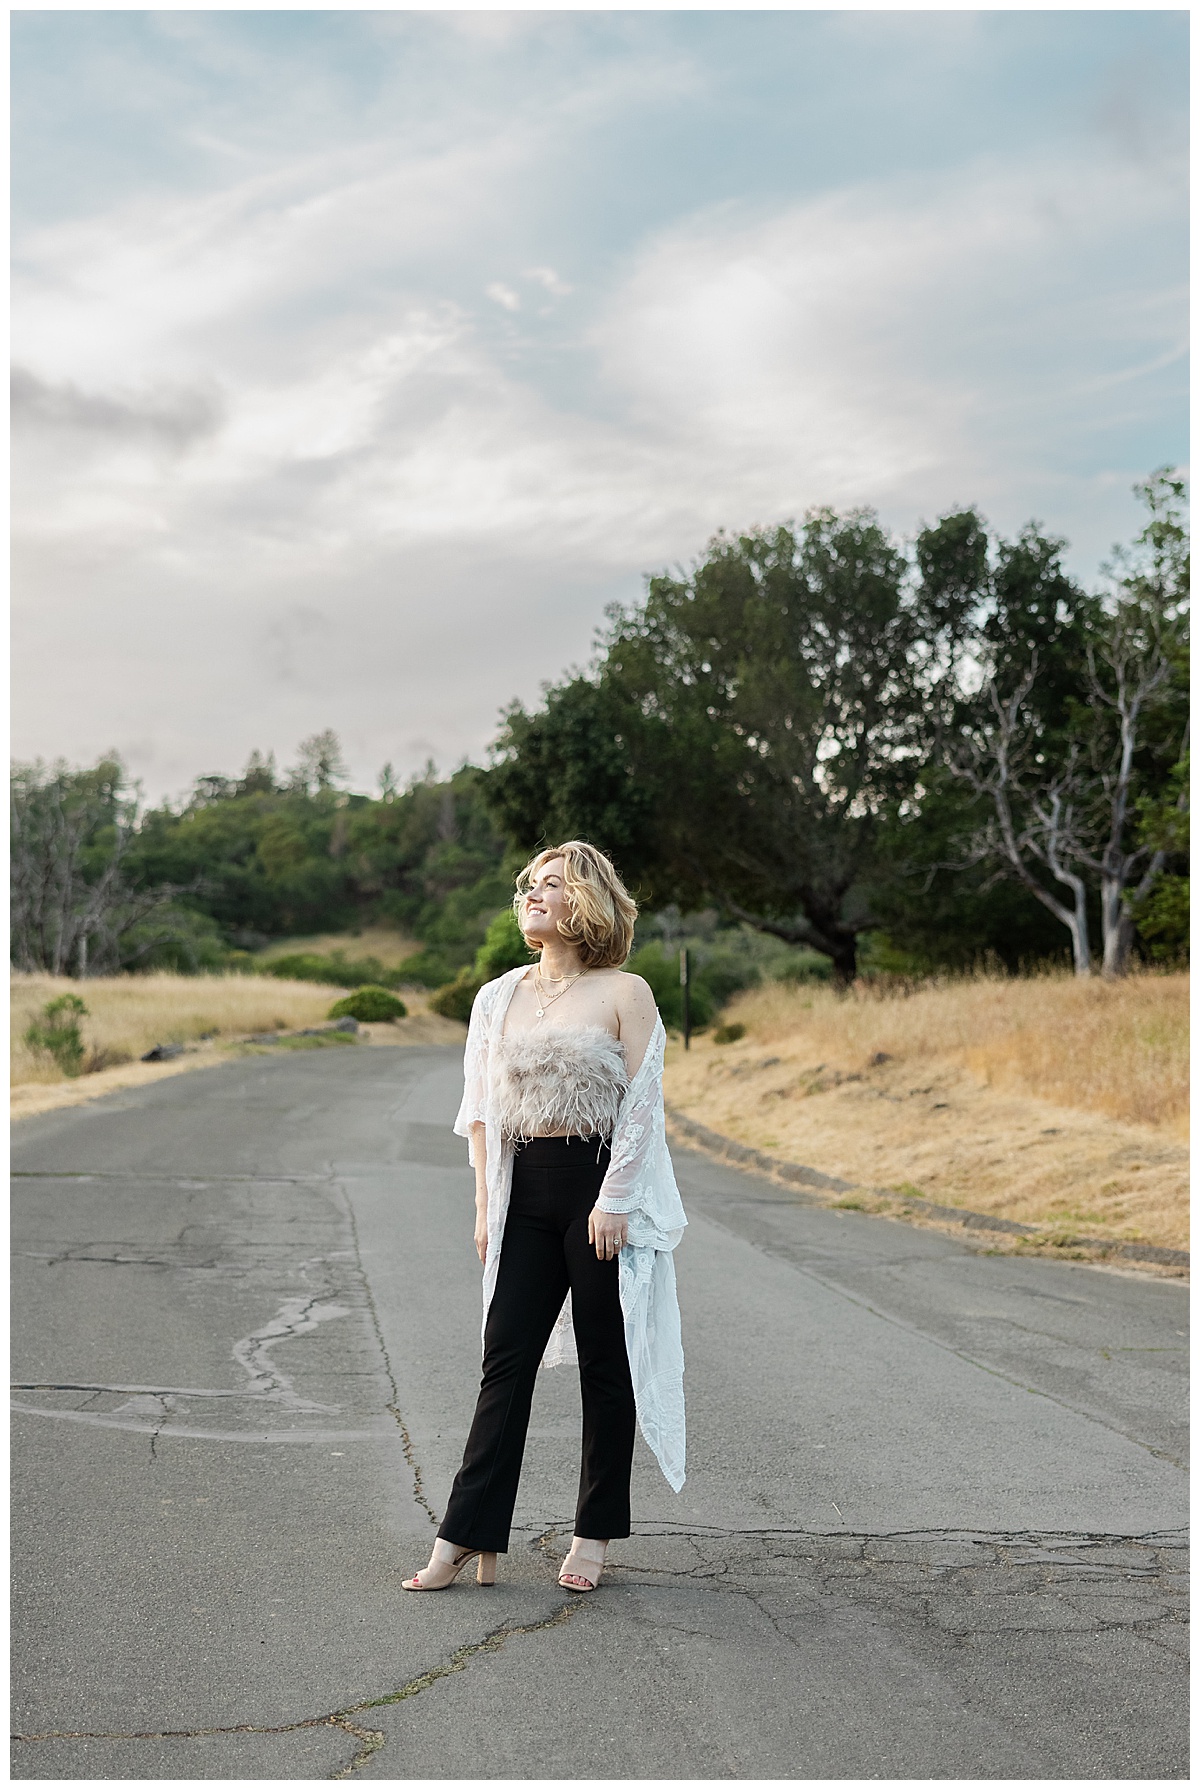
<point x="933" y="1523"/>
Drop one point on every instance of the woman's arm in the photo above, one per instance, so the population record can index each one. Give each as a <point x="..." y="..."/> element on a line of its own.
<point x="475" y="1069"/>
<point x="637" y="1016"/>
<point x="470" y="1122"/>
<point x="479" y="1152"/>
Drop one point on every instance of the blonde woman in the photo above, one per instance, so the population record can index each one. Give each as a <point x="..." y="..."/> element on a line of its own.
<point x="576" y="1216"/>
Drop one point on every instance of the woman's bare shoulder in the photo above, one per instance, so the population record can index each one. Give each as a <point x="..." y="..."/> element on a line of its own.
<point x="634" y="988"/>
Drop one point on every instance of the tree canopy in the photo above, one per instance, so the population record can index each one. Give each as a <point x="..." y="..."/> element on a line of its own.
<point x="775" y="732"/>
<point x="822" y="732"/>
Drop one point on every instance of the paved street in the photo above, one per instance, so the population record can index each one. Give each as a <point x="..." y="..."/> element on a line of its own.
<point x="933" y="1524"/>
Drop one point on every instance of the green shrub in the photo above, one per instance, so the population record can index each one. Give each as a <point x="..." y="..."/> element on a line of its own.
<point x="427" y="969"/>
<point x="368" y="1003"/>
<point x="724" y="969"/>
<point x="299" y="966"/>
<point x="174" y="938"/>
<point x="729" y="1034"/>
<point x="720" y="968"/>
<point x="337" y="969"/>
<point x="660" y="968"/>
<point x="457" y="998"/>
<point x="57" y="1032"/>
<point x="1163" y="919"/>
<point x="502" y="949"/>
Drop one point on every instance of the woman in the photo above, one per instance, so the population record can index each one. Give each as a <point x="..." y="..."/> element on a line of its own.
<point x="577" y="1213"/>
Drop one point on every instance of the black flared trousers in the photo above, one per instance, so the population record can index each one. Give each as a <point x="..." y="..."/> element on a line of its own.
<point x="545" y="1253"/>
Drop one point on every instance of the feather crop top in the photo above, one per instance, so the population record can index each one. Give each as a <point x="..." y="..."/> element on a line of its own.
<point x="559" y="1081"/>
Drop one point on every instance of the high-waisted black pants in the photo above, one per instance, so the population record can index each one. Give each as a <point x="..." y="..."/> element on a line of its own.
<point x="545" y="1253"/>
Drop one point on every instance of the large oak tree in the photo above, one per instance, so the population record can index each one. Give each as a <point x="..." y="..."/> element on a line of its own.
<point x="750" y="728"/>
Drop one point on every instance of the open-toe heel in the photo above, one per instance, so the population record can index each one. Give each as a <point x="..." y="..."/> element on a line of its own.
<point x="585" y="1561"/>
<point x="445" y="1564"/>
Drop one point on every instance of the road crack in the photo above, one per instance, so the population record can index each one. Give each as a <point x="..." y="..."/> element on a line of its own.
<point x="393" y="1406"/>
<point x="295" y="1317"/>
<point x="372" y="1739"/>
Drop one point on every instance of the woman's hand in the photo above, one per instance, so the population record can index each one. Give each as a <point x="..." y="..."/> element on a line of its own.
<point x="481" y="1232"/>
<point x="607" y="1233"/>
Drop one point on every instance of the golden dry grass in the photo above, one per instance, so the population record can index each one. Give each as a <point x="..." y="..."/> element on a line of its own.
<point x="1118" y="1048"/>
<point x="1051" y="1101"/>
<point x="129" y="1014"/>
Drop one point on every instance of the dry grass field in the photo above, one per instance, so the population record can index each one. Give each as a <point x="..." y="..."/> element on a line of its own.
<point x="127" y="1015"/>
<point x="1047" y="1100"/>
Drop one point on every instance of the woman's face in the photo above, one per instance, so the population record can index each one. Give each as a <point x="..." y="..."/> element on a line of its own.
<point x="546" y="903"/>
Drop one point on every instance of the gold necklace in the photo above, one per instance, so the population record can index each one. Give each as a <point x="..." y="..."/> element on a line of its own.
<point x="542" y="1001"/>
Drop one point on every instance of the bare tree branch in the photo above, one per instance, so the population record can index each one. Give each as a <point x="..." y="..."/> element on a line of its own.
<point x="988" y="758"/>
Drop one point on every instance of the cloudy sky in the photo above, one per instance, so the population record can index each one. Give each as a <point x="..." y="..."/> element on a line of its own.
<point x="363" y="357"/>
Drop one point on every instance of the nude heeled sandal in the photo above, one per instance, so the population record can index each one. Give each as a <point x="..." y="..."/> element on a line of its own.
<point x="451" y="1560"/>
<point x="583" y="1564"/>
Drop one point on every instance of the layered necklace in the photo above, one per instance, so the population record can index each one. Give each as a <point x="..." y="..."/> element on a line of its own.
<point x="543" y="1000"/>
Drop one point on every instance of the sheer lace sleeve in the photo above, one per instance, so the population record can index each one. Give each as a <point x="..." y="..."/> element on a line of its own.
<point x="475" y="1071"/>
<point x="640" y="1180"/>
<point x="641" y="1184"/>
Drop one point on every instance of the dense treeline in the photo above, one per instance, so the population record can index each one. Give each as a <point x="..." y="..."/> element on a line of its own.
<point x="265" y="858"/>
<point x="954" y="748"/>
<point x="821" y="736"/>
<point x="248" y="860"/>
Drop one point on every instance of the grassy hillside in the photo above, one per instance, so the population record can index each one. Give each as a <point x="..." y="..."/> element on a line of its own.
<point x="1047" y="1100"/>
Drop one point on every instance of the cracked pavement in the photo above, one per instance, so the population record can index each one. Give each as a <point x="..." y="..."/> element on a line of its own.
<point x="933" y="1525"/>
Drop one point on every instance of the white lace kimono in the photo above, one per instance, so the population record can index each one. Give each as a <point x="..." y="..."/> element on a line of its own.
<point x="640" y="1182"/>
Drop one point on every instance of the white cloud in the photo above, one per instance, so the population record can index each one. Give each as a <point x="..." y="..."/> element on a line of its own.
<point x="878" y="343"/>
<point x="503" y="295"/>
<point x="271" y="476"/>
<point x="546" y="276"/>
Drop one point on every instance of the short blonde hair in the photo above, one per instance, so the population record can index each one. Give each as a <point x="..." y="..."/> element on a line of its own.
<point x="602" y="909"/>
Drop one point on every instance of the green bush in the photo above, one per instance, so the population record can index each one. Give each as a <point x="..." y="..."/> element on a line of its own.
<point x="57" y="1032"/>
<point x="729" y="1034"/>
<point x="723" y="968"/>
<point x="370" y="1002"/>
<point x="457" y="998"/>
<point x="428" y="969"/>
<point x="1163" y="919"/>
<point x="299" y="966"/>
<point x="718" y="970"/>
<point x="175" y="938"/>
<point x="660" y="968"/>
<point x="502" y="949"/>
<point x="337" y="969"/>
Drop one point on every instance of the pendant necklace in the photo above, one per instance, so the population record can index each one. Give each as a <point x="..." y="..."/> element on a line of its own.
<point x="542" y="1001"/>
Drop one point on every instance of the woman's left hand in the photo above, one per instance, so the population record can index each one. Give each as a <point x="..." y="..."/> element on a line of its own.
<point x="607" y="1233"/>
